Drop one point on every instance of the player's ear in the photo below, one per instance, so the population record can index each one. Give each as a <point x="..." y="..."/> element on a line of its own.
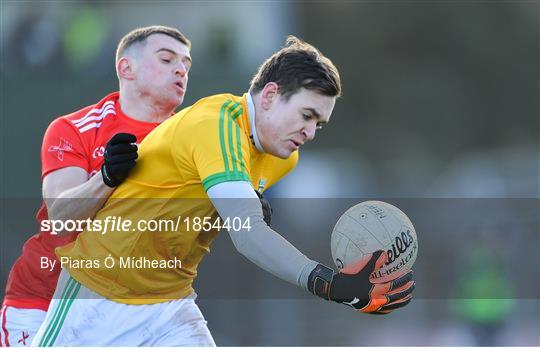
<point x="124" y="69"/>
<point x="268" y="94"/>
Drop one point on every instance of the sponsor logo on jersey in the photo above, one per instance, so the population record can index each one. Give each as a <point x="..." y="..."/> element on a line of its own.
<point x="98" y="152"/>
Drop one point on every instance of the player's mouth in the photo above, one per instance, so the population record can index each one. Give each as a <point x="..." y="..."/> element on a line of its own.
<point x="295" y="145"/>
<point x="179" y="87"/>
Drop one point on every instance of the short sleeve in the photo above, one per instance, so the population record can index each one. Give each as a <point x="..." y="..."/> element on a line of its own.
<point x="62" y="147"/>
<point x="219" y="148"/>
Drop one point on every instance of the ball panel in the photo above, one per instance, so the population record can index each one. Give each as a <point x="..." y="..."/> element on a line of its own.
<point x="370" y="222"/>
<point x="348" y="227"/>
<point x="352" y="254"/>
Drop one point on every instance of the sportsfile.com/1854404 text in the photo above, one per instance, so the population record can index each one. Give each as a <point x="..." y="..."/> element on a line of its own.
<point x="120" y="224"/>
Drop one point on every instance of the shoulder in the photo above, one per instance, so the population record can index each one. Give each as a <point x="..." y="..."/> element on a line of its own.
<point x="91" y="117"/>
<point x="215" y="107"/>
<point x="88" y="118"/>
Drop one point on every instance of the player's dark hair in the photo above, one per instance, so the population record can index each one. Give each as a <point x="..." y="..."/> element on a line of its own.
<point x="139" y="35"/>
<point x="298" y="65"/>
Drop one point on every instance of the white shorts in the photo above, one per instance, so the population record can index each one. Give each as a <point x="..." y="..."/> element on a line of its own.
<point x="19" y="325"/>
<point x="78" y="316"/>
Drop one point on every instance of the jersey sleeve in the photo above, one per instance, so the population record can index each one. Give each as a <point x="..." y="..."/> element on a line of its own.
<point x="62" y="147"/>
<point x="219" y="147"/>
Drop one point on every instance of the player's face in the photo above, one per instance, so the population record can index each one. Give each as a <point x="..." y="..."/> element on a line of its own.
<point x="288" y="124"/>
<point x="161" y="68"/>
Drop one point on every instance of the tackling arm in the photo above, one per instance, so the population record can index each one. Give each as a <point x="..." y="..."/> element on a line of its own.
<point x="69" y="194"/>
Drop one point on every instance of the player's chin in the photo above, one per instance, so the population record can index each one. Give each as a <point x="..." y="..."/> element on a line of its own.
<point x="179" y="97"/>
<point x="284" y="153"/>
<point x="176" y="99"/>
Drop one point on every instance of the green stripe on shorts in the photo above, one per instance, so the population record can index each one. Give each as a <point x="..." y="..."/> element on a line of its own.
<point x="59" y="316"/>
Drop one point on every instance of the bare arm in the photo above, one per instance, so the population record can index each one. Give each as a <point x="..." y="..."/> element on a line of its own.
<point x="69" y="194"/>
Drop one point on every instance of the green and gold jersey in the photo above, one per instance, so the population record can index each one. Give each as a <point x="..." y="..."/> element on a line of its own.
<point x="201" y="146"/>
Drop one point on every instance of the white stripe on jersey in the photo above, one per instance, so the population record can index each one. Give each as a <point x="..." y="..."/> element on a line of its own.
<point x="94" y="111"/>
<point x="97" y="117"/>
<point x="90" y="126"/>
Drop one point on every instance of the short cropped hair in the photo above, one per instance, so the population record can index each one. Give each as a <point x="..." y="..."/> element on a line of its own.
<point x="298" y="65"/>
<point x="139" y="35"/>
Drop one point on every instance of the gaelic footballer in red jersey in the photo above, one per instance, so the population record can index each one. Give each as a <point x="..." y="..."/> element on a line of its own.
<point x="152" y="65"/>
<point x="75" y="140"/>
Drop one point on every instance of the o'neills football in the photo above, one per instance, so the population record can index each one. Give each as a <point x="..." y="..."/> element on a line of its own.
<point x="370" y="226"/>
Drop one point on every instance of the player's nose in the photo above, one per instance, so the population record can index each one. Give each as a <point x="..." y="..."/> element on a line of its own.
<point x="308" y="132"/>
<point x="180" y="70"/>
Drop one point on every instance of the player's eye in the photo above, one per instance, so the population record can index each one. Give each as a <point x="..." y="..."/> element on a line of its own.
<point x="165" y="60"/>
<point x="319" y="125"/>
<point x="307" y="117"/>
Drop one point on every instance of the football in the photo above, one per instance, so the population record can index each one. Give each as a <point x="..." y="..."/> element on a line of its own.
<point x="370" y="226"/>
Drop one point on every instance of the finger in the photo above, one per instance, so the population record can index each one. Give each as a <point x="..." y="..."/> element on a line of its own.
<point x="392" y="297"/>
<point x="381" y="257"/>
<point x="122" y="167"/>
<point x="402" y="288"/>
<point x="367" y="262"/>
<point x="380" y="290"/>
<point x="121" y="148"/>
<point x="404" y="279"/>
<point x="374" y="305"/>
<point x="123" y="138"/>
<point x="392" y="305"/>
<point x="398" y="304"/>
<point x="123" y="157"/>
<point x="390" y="277"/>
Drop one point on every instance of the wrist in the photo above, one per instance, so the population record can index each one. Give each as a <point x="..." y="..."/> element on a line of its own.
<point x="319" y="281"/>
<point x="107" y="178"/>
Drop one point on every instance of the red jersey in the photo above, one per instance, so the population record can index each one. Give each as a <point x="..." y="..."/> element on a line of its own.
<point x="74" y="140"/>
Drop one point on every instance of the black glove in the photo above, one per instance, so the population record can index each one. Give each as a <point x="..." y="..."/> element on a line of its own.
<point x="266" y="208"/>
<point x="352" y="286"/>
<point x="119" y="158"/>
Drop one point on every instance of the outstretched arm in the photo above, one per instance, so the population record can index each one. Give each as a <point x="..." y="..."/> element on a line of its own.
<point x="269" y="250"/>
<point x="261" y="245"/>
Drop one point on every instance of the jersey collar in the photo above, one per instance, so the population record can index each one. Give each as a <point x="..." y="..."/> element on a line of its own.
<point x="251" y="116"/>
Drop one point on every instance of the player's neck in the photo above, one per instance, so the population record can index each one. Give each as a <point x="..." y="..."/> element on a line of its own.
<point x="141" y="109"/>
<point x="252" y="115"/>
